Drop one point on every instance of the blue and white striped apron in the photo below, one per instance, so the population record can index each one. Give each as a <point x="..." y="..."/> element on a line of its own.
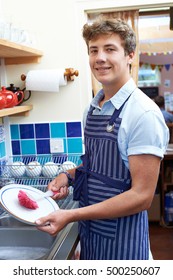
<point x="102" y="176"/>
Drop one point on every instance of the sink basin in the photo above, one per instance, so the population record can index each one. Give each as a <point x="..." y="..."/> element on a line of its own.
<point x="8" y="221"/>
<point x="22" y="241"/>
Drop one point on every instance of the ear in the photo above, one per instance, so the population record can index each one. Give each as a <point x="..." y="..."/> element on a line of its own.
<point x="131" y="56"/>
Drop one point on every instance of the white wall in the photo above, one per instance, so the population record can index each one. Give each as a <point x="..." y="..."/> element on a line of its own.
<point x="57" y="28"/>
<point x="54" y="26"/>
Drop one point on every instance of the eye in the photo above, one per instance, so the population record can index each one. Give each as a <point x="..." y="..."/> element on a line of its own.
<point x="92" y="51"/>
<point x="109" y="49"/>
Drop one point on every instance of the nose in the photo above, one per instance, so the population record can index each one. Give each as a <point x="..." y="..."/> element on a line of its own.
<point x="100" y="57"/>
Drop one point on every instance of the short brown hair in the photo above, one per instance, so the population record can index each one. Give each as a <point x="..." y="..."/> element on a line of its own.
<point x="117" y="26"/>
<point x="160" y="101"/>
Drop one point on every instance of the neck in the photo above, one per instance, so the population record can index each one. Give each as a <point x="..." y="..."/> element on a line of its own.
<point x="110" y="90"/>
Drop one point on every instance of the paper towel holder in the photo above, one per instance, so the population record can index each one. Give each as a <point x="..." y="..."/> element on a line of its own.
<point x="69" y="74"/>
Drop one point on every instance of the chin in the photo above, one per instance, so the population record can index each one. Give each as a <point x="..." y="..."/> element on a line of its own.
<point x="101" y="79"/>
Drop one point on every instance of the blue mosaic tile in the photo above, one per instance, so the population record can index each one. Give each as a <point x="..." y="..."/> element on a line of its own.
<point x="16" y="147"/>
<point x="28" y="147"/>
<point x="57" y="130"/>
<point x="14" y="130"/>
<point x="74" y="145"/>
<point x="26" y="131"/>
<point x="74" y="129"/>
<point x="34" y="139"/>
<point x="43" y="146"/>
<point x="65" y="145"/>
<point x="2" y="149"/>
<point x="42" y="130"/>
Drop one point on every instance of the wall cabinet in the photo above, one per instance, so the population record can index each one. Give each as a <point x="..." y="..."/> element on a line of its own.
<point x="13" y="53"/>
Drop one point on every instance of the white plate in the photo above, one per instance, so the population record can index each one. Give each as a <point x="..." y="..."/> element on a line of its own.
<point x="10" y="202"/>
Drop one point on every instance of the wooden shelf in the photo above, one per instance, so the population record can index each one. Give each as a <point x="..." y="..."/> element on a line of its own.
<point x="18" y="54"/>
<point x="13" y="53"/>
<point x="16" y="111"/>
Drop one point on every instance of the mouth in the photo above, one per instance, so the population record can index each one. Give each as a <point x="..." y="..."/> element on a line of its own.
<point x="102" y="70"/>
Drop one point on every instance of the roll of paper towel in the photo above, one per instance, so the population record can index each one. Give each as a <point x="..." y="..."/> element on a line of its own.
<point x="45" y="80"/>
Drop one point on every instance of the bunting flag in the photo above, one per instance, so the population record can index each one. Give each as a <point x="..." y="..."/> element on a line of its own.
<point x="156" y="53"/>
<point x="153" y="66"/>
<point x="167" y="66"/>
<point x="160" y="67"/>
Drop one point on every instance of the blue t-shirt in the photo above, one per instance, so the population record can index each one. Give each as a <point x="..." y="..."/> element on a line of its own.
<point x="167" y="116"/>
<point x="143" y="129"/>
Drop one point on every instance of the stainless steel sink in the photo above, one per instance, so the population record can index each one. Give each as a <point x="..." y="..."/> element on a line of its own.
<point x="8" y="221"/>
<point x="25" y="242"/>
<point x="22" y="241"/>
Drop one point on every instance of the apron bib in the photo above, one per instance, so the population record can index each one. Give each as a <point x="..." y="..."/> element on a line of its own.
<point x="102" y="176"/>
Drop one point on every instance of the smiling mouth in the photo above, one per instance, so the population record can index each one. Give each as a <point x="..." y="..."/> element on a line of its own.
<point x="102" y="69"/>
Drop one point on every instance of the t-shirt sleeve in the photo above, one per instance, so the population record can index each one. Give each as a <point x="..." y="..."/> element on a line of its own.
<point x="150" y="135"/>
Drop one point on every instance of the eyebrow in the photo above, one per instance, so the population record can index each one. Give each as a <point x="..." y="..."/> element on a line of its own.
<point x="107" y="45"/>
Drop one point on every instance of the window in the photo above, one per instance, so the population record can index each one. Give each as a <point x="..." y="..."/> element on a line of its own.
<point x="148" y="77"/>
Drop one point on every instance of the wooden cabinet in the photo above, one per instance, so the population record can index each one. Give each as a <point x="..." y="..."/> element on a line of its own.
<point x="13" y="53"/>
<point x="166" y="188"/>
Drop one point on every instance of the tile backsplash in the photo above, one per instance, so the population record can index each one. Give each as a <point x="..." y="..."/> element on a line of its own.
<point x="34" y="138"/>
<point x="2" y="142"/>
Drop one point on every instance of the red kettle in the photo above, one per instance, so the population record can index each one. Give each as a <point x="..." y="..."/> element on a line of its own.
<point x="11" y="98"/>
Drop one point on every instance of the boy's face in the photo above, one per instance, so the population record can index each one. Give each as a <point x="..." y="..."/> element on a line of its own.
<point x="108" y="61"/>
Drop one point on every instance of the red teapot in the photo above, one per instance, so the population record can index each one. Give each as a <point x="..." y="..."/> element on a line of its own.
<point x="2" y="101"/>
<point x="11" y="97"/>
<point x="21" y="97"/>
